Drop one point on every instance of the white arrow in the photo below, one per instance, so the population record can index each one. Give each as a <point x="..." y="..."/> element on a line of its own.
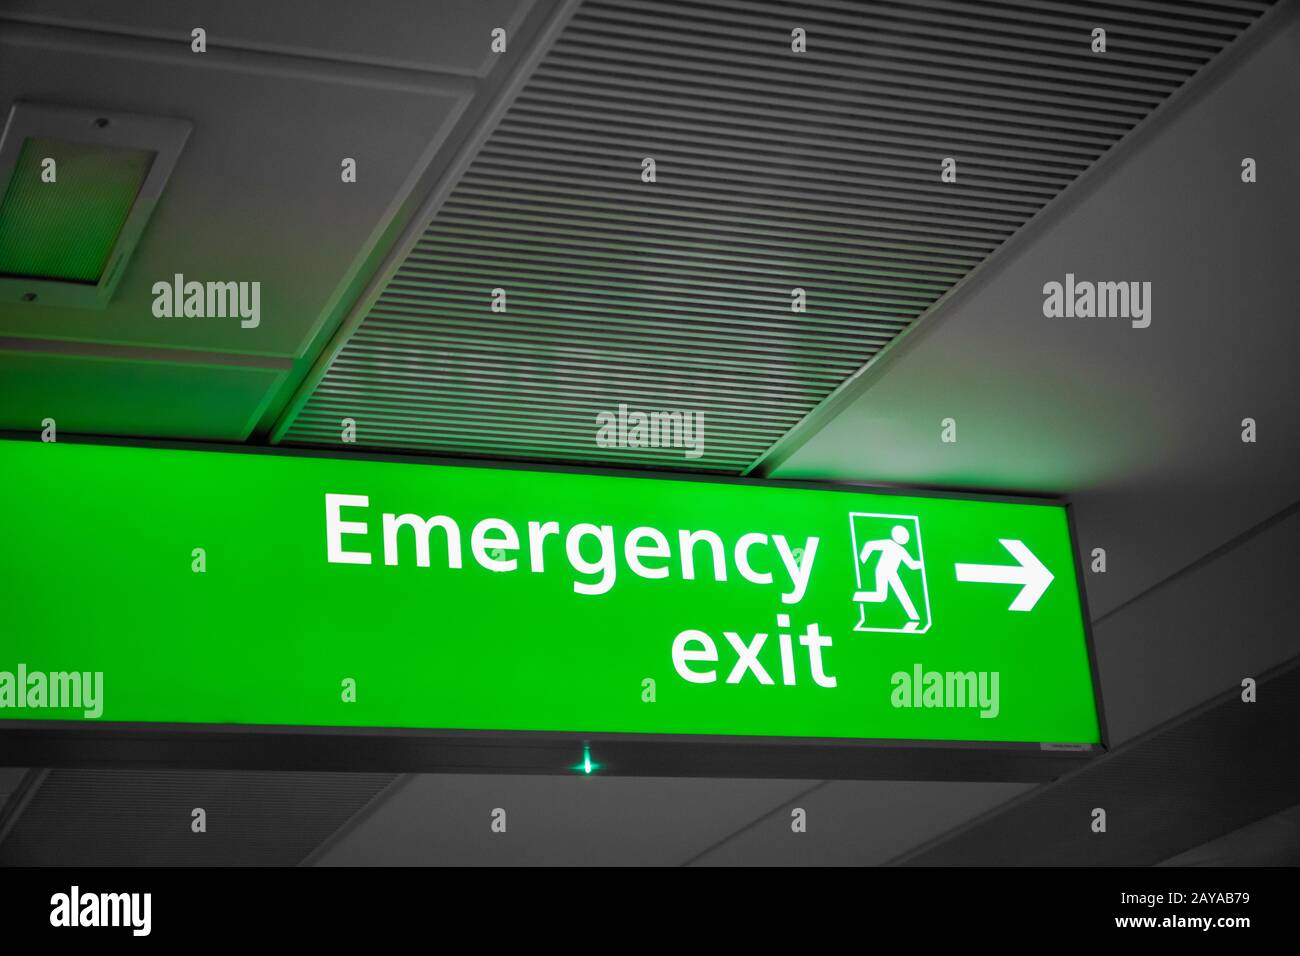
<point x="1030" y="573"/>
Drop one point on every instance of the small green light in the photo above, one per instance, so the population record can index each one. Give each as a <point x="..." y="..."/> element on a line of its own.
<point x="587" y="766"/>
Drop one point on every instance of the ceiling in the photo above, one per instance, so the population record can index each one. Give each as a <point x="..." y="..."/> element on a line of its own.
<point x="774" y="170"/>
<point x="257" y="194"/>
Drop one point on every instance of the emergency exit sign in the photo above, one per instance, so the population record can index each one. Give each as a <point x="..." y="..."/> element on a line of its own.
<point x="232" y="590"/>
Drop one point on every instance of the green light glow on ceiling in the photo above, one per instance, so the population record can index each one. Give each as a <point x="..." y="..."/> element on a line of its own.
<point x="586" y="766"/>
<point x="66" y="228"/>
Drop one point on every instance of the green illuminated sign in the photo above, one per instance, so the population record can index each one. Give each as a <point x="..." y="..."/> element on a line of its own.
<point x="256" y="589"/>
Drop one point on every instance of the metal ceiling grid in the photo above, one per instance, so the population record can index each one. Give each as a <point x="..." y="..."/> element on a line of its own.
<point x="775" y="170"/>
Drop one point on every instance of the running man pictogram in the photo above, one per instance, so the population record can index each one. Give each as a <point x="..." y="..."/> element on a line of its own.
<point x="884" y="560"/>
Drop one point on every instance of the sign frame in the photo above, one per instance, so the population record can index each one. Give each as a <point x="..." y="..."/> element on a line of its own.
<point x="137" y="745"/>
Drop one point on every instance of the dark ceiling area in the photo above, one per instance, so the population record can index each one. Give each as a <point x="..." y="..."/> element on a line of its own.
<point x="792" y="265"/>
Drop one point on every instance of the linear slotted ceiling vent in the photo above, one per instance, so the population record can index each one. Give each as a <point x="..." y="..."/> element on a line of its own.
<point x="775" y="170"/>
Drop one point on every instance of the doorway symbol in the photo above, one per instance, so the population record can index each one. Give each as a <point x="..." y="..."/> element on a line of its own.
<point x="889" y="565"/>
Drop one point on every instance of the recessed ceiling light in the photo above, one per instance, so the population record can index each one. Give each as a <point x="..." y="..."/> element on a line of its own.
<point x="77" y="188"/>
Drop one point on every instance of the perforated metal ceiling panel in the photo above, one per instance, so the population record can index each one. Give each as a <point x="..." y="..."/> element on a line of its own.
<point x="775" y="170"/>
